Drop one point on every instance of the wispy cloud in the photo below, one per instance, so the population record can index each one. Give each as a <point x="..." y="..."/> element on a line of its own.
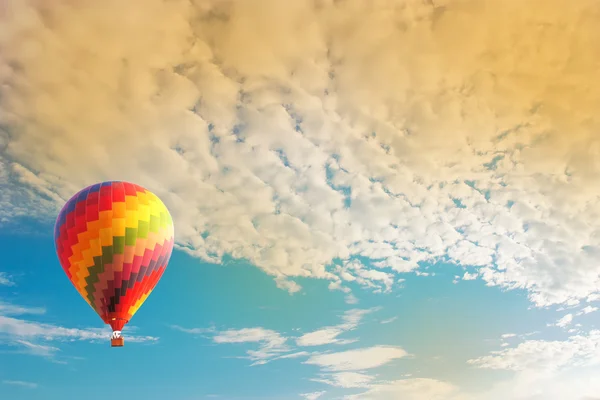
<point x="30" y="329"/>
<point x="329" y="335"/>
<point x="37" y="338"/>
<point x="25" y="384"/>
<point x="346" y="380"/>
<point x="389" y="320"/>
<point x="544" y="355"/>
<point x="347" y="369"/>
<point x="312" y="395"/>
<point x="38" y="349"/>
<point x="411" y="389"/>
<point x="195" y="331"/>
<point x="6" y="279"/>
<point x="272" y="344"/>
<point x="34" y="337"/>
<point x="11" y="309"/>
<point x="357" y="359"/>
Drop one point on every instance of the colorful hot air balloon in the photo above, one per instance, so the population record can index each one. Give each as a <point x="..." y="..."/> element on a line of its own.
<point x="114" y="241"/>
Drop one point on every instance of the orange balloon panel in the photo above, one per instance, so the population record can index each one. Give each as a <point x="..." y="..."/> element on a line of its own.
<point x="114" y="241"/>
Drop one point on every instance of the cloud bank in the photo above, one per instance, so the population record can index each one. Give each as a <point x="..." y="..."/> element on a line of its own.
<point x="301" y="134"/>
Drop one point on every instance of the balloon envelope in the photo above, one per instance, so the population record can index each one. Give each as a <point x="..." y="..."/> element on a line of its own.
<point x="114" y="241"/>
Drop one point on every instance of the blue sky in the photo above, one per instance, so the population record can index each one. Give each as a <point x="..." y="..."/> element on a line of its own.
<point x="372" y="200"/>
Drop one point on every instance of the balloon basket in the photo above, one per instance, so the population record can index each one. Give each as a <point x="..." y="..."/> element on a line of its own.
<point x="117" y="342"/>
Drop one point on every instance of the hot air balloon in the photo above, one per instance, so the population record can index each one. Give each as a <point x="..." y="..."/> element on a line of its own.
<point x="114" y="241"/>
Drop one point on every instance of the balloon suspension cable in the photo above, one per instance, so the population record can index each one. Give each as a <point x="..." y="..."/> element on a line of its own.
<point x="116" y="335"/>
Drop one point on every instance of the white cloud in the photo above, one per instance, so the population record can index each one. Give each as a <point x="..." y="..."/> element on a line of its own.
<point x="288" y="285"/>
<point x="351" y="299"/>
<point x="389" y="320"/>
<point x="410" y="389"/>
<point x="565" y="321"/>
<point x="587" y="310"/>
<point x="295" y="134"/>
<point x="329" y="335"/>
<point x="37" y="349"/>
<point x="11" y="309"/>
<point x="322" y="337"/>
<point x="346" y="380"/>
<point x="543" y="355"/>
<point x="313" y="395"/>
<point x="35" y="338"/>
<point x="297" y="354"/>
<point x="272" y="344"/>
<point x="19" y="328"/>
<point x="31" y="385"/>
<point x="469" y="277"/>
<point x="578" y="384"/>
<point x="593" y="297"/>
<point x="357" y="359"/>
<point x="199" y="331"/>
<point x="359" y="273"/>
<point x="6" y="279"/>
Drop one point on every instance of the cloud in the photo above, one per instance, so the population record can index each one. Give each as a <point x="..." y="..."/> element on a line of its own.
<point x="410" y="389"/>
<point x="329" y="335"/>
<point x="565" y="321"/>
<point x="272" y="344"/>
<point x="38" y="349"/>
<point x="355" y="271"/>
<point x="357" y="359"/>
<point x="200" y="331"/>
<point x="293" y="135"/>
<point x="587" y="310"/>
<point x="11" y="309"/>
<point x="29" y="329"/>
<point x="469" y="277"/>
<point x="544" y="355"/>
<point x="31" y="385"/>
<point x="322" y="337"/>
<point x="313" y="395"/>
<point x="346" y="380"/>
<point x="343" y="369"/>
<point x="35" y="338"/>
<point x="578" y="384"/>
<point x="351" y="299"/>
<point x="346" y="369"/>
<point x="389" y="320"/>
<point x="6" y="279"/>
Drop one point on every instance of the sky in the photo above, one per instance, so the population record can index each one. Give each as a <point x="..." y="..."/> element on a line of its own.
<point x="372" y="200"/>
